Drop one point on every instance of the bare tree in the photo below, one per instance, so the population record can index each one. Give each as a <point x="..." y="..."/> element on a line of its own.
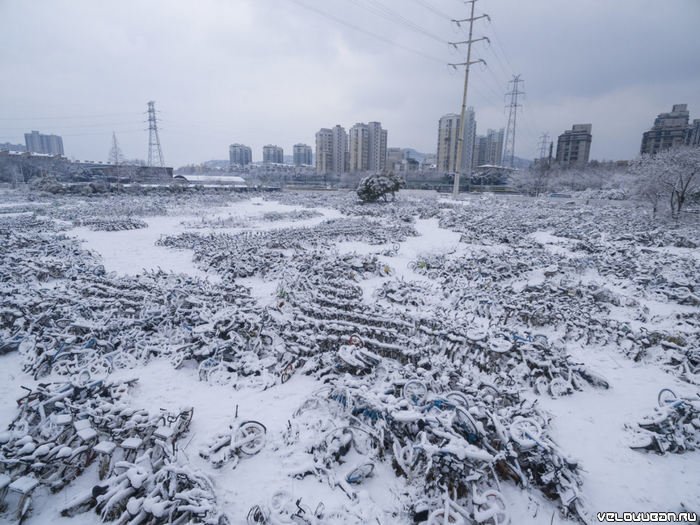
<point x="672" y="174"/>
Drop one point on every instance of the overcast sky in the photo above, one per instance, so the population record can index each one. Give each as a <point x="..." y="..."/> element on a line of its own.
<point x="275" y="71"/>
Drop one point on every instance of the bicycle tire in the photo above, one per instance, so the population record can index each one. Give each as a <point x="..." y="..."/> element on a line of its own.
<point x="280" y="500"/>
<point x="540" y="339"/>
<point x="123" y="360"/>
<point x="415" y="391"/>
<point x="489" y="390"/>
<point x="466" y="423"/>
<point x="525" y="432"/>
<point x="666" y="397"/>
<point x="248" y="429"/>
<point x="559" y="387"/>
<point x="457" y="398"/>
<point x="440" y="517"/>
<point x="500" y="346"/>
<point x="495" y="498"/>
<point x="541" y="385"/>
<point x="359" y="474"/>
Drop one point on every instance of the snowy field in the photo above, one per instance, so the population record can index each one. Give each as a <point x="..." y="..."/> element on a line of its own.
<point x="499" y="350"/>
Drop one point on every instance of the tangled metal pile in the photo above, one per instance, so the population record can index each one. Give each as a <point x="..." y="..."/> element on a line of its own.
<point x="434" y="377"/>
<point x="673" y="427"/>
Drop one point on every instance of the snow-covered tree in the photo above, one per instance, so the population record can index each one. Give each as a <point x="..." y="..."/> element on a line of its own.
<point x="374" y="187"/>
<point x="672" y="174"/>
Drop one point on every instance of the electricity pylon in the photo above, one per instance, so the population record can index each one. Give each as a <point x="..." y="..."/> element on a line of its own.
<point x="154" y="151"/>
<point x="509" y="142"/>
<point x="467" y="64"/>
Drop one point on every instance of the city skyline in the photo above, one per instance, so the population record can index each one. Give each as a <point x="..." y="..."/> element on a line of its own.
<point x="311" y="63"/>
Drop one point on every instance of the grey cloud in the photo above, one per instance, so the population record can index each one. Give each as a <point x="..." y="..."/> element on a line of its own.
<point x="260" y="71"/>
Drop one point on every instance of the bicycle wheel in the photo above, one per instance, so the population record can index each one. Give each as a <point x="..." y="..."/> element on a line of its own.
<point x="666" y="397"/>
<point x="457" y="398"/>
<point x="206" y="366"/>
<point x="525" y="432"/>
<point x="541" y="340"/>
<point x="256" y="515"/>
<point x="251" y="435"/>
<point x="559" y="387"/>
<point x="500" y="346"/>
<point x="123" y="360"/>
<point x="99" y="367"/>
<point x="580" y="513"/>
<point x="489" y="391"/>
<point x="280" y="502"/>
<point x="466" y="425"/>
<point x="493" y="509"/>
<point x="541" y="385"/>
<point x="415" y="391"/>
<point x="443" y="516"/>
<point x="220" y="376"/>
<point x="359" y="474"/>
<point x="80" y="379"/>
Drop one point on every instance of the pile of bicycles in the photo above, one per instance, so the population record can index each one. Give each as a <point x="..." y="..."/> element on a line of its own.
<point x="453" y="447"/>
<point x="673" y="427"/>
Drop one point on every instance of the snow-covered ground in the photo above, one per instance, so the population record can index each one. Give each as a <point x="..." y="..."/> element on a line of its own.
<point x="590" y="425"/>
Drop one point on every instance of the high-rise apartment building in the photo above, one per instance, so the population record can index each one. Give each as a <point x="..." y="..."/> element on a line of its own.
<point x="332" y="150"/>
<point x="39" y="143"/>
<point x="240" y="155"/>
<point x="448" y="131"/>
<point x="358" y="144"/>
<point x="574" y="146"/>
<point x="273" y="154"/>
<point x="377" y="147"/>
<point x="488" y="149"/>
<point x="693" y="138"/>
<point x="367" y="147"/>
<point x="340" y="150"/>
<point x="324" y="151"/>
<point x="302" y="155"/>
<point x="7" y="146"/>
<point x="671" y="130"/>
<point x="394" y="158"/>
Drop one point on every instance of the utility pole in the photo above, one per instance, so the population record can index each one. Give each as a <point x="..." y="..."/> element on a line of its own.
<point x="509" y="142"/>
<point x="467" y="64"/>
<point x="154" y="151"/>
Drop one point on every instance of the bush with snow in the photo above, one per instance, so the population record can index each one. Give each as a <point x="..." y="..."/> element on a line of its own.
<point x="375" y="187"/>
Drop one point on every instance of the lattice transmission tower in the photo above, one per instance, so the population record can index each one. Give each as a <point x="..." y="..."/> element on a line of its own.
<point x="116" y="156"/>
<point x="155" y="153"/>
<point x="509" y="142"/>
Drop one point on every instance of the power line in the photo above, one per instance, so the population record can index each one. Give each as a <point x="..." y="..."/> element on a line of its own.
<point x="78" y="126"/>
<point x="497" y="39"/>
<point x="366" y="32"/>
<point x="432" y="9"/>
<point x="72" y="116"/>
<point x="387" y="13"/>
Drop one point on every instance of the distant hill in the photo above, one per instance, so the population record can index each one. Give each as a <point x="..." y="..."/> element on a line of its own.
<point x="521" y="163"/>
<point x="414" y="154"/>
<point x="221" y="164"/>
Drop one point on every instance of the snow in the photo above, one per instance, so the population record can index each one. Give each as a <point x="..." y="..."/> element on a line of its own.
<point x="130" y="252"/>
<point x="589" y="425"/>
<point x="230" y="179"/>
